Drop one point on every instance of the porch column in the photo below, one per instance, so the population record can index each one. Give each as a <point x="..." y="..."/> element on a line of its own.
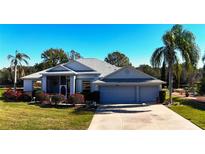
<point x="72" y="84"/>
<point x="44" y="84"/>
<point x="79" y="87"/>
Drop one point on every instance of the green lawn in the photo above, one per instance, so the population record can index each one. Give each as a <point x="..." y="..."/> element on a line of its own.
<point x="191" y="110"/>
<point x="33" y="117"/>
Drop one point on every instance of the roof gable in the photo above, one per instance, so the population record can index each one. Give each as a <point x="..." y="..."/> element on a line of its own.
<point x="128" y="73"/>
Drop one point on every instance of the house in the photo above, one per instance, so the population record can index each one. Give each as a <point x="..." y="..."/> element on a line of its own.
<point x="115" y="84"/>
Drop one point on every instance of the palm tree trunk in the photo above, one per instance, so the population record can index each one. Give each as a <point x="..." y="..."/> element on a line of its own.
<point x="170" y="82"/>
<point x="15" y="77"/>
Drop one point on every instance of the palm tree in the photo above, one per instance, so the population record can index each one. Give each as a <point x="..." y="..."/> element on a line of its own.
<point x="177" y="41"/>
<point x="177" y="70"/>
<point x="16" y="61"/>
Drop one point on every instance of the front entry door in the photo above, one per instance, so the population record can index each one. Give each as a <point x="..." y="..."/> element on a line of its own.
<point x="63" y="90"/>
<point x="63" y="85"/>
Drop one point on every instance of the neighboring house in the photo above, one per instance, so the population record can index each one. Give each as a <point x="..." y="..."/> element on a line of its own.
<point x="116" y="85"/>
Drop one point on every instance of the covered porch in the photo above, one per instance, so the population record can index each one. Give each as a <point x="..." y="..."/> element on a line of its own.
<point x="53" y="84"/>
<point x="59" y="84"/>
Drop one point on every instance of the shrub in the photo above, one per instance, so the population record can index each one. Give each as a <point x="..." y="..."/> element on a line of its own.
<point x="202" y="86"/>
<point x="36" y="92"/>
<point x="87" y="96"/>
<point x="92" y="96"/>
<point x="76" y="99"/>
<point x="57" y="99"/>
<point x="24" y="97"/>
<point x="11" y="95"/>
<point x="45" y="99"/>
<point x="42" y="97"/>
<point x="95" y="96"/>
<point x="38" y="97"/>
<point x="162" y="96"/>
<point x="187" y="93"/>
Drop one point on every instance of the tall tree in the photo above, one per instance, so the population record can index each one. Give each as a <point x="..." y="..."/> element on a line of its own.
<point x="16" y="61"/>
<point x="53" y="57"/>
<point x="73" y="55"/>
<point x="118" y="59"/>
<point x="150" y="70"/>
<point x="5" y="76"/>
<point x="176" y="40"/>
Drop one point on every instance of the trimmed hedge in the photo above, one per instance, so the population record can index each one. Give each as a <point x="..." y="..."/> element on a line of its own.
<point x="162" y="96"/>
<point x="92" y="96"/>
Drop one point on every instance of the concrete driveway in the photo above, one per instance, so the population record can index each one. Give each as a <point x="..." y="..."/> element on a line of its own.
<point x="138" y="117"/>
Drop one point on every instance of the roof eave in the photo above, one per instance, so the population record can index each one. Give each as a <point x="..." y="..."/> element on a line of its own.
<point x="98" y="82"/>
<point x="31" y="78"/>
<point x="59" y="73"/>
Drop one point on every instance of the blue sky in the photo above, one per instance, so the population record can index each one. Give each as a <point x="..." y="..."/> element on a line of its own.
<point x="136" y="41"/>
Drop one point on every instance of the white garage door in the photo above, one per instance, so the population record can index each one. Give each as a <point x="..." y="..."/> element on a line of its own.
<point x="148" y="93"/>
<point x="117" y="94"/>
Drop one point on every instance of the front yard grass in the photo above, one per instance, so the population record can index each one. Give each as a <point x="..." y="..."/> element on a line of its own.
<point x="191" y="110"/>
<point x="21" y="116"/>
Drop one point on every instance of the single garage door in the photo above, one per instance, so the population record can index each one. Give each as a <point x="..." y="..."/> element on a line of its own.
<point x="117" y="94"/>
<point x="148" y="93"/>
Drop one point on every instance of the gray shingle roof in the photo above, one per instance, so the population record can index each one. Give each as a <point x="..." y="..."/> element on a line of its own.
<point x="99" y="66"/>
<point x="35" y="76"/>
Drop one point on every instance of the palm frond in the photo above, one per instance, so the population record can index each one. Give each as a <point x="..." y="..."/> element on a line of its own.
<point x="203" y="58"/>
<point x="25" y="56"/>
<point x="25" y="61"/>
<point x="186" y="44"/>
<point x="10" y="57"/>
<point x="157" y="57"/>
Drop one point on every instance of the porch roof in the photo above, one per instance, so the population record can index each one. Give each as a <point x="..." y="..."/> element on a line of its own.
<point x="34" y="76"/>
<point x="59" y="73"/>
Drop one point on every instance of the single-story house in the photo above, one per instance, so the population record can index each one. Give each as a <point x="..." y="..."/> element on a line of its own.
<point x="115" y="84"/>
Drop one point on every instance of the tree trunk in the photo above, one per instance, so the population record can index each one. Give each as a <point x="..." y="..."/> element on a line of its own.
<point x="170" y="82"/>
<point x="15" y="77"/>
<point x="178" y="82"/>
<point x="163" y="73"/>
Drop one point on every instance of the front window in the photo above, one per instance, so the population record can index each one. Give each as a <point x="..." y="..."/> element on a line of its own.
<point x="52" y="84"/>
<point x="86" y="86"/>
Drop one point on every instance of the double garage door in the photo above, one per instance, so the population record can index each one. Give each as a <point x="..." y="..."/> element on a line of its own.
<point x="128" y="94"/>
